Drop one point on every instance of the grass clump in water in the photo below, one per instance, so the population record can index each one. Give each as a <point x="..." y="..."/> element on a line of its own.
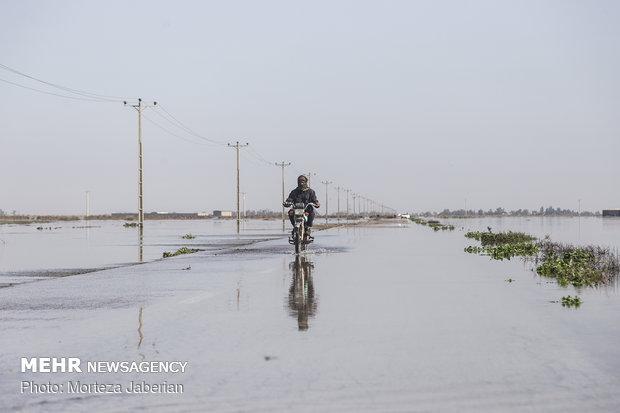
<point x="571" y="301"/>
<point x="503" y="245"/>
<point x="500" y="238"/>
<point x="434" y="224"/>
<point x="507" y="251"/>
<point x="180" y="251"/>
<point x="584" y="266"/>
<point x="188" y="236"/>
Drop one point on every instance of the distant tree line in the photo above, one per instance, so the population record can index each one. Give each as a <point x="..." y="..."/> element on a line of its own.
<point x="262" y="213"/>
<point x="519" y="212"/>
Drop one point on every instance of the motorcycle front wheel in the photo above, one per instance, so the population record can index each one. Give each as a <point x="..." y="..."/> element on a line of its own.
<point x="298" y="238"/>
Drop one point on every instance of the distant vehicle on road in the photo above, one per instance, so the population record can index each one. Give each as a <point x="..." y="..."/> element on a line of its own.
<point x="405" y="216"/>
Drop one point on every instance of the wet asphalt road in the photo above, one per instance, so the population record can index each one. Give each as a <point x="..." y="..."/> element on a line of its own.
<point x="378" y="318"/>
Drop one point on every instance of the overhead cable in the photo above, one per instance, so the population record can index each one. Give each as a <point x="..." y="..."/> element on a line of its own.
<point x="94" y="96"/>
<point x="177" y="123"/>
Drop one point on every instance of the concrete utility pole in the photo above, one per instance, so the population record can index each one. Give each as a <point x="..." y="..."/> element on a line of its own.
<point x="326" y="200"/>
<point x="139" y="108"/>
<point x="347" y="191"/>
<point x="338" y="214"/>
<point x="309" y="174"/>
<point x="87" y="204"/>
<point x="283" y="164"/>
<point x="353" y="195"/>
<point x="238" y="146"/>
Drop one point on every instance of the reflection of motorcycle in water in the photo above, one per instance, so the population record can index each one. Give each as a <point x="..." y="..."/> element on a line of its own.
<point x="301" y="299"/>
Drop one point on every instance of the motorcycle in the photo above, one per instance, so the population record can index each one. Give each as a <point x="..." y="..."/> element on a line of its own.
<point x="299" y="237"/>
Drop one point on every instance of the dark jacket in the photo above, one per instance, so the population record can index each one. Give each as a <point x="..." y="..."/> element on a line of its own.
<point x="297" y="195"/>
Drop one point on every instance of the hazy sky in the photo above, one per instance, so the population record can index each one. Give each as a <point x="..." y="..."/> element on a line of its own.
<point x="420" y="105"/>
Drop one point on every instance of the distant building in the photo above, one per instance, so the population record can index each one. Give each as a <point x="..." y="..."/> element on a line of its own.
<point x="611" y="212"/>
<point x="218" y="213"/>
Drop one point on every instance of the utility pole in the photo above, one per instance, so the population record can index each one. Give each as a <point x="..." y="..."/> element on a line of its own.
<point x="87" y="204"/>
<point x="338" y="189"/>
<point x="139" y="108"/>
<point x="353" y="195"/>
<point x="238" y="145"/>
<point x="309" y="174"/>
<point x="326" y="200"/>
<point x="347" y="191"/>
<point x="283" y="164"/>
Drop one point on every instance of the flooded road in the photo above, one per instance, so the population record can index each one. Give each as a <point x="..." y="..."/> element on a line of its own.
<point x="391" y="317"/>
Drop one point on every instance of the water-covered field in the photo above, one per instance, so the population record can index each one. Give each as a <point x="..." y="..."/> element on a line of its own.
<point x="28" y="252"/>
<point x="385" y="317"/>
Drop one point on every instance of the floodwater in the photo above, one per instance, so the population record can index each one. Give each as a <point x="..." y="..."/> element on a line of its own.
<point x="379" y="318"/>
<point x="35" y="251"/>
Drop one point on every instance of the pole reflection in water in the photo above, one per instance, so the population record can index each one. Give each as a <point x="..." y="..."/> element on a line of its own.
<point x="140" y="328"/>
<point x="301" y="299"/>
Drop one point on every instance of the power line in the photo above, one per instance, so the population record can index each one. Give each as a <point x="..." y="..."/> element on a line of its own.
<point x="91" y="95"/>
<point x="174" y="121"/>
<point x="50" y="93"/>
<point x="253" y="160"/>
<point x="258" y="157"/>
<point x="172" y="133"/>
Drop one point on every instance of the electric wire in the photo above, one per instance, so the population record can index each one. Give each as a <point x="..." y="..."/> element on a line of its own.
<point x="260" y="157"/>
<point x="91" y="95"/>
<point x="49" y="93"/>
<point x="169" y="117"/>
<point x="253" y="160"/>
<point x="171" y="133"/>
<point x="175" y="122"/>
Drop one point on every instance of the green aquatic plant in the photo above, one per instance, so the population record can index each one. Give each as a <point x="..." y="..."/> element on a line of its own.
<point x="180" y="251"/>
<point x="434" y="224"/>
<point x="576" y="267"/>
<point x="569" y="301"/>
<point x="130" y="224"/>
<point x="506" y="251"/>
<point x="584" y="266"/>
<point x="490" y="238"/>
<point x="188" y="236"/>
<point x="472" y="249"/>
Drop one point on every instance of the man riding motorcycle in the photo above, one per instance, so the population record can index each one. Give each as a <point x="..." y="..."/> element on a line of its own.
<point x="303" y="193"/>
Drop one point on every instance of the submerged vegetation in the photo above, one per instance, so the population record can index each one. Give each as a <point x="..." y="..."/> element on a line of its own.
<point x="578" y="266"/>
<point x="180" y="251"/>
<point x="583" y="266"/>
<point x="503" y="245"/>
<point x="501" y="238"/>
<point x="505" y="251"/>
<point x="434" y="224"/>
<point x="571" y="301"/>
